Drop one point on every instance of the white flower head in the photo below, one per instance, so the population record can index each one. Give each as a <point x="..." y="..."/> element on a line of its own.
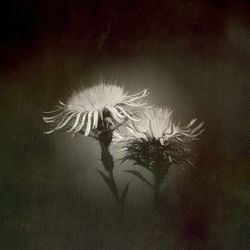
<point x="156" y="141"/>
<point x="157" y="124"/>
<point x="95" y="109"/>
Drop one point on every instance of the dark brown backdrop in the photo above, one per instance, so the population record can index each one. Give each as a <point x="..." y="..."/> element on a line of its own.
<point x="192" y="55"/>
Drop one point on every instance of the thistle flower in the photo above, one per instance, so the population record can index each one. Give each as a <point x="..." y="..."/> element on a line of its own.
<point x="156" y="143"/>
<point x="97" y="112"/>
<point x="92" y="110"/>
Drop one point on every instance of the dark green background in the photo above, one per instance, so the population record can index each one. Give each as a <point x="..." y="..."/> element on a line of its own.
<point x="193" y="56"/>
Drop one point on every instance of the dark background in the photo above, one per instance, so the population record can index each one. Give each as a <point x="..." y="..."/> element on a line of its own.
<point x="193" y="56"/>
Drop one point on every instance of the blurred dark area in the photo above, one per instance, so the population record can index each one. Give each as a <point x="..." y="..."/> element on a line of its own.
<point x="193" y="56"/>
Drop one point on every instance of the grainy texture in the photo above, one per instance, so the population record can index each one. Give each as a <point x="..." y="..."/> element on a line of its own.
<point x="192" y="56"/>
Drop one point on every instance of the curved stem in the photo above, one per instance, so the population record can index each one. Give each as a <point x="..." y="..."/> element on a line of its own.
<point x="108" y="163"/>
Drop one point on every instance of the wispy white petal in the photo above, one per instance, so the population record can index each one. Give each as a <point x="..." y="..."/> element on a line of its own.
<point x="115" y="114"/>
<point x="81" y="123"/>
<point x="142" y="93"/>
<point x="157" y="123"/>
<point x="52" y="111"/>
<point x="126" y="113"/>
<point x="65" y="121"/>
<point x="85" y="108"/>
<point x="75" y="123"/>
<point x="89" y="122"/>
<point x="95" y="123"/>
<point x="145" y="93"/>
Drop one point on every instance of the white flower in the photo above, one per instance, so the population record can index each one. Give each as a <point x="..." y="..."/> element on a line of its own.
<point x="95" y="109"/>
<point x="155" y="142"/>
<point x="157" y="124"/>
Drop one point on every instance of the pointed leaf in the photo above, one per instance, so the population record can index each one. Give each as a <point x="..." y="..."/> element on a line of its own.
<point x="105" y="178"/>
<point x="110" y="183"/>
<point x="124" y="194"/>
<point x="140" y="176"/>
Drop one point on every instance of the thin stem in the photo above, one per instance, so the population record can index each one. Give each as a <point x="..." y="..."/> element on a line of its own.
<point x="118" y="198"/>
<point x="113" y="183"/>
<point x="107" y="160"/>
<point x="157" y="184"/>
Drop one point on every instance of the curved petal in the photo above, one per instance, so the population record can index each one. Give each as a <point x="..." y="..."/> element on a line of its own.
<point x="65" y="121"/>
<point x="75" y="123"/>
<point x="82" y="122"/>
<point x="89" y="122"/>
<point x="95" y="122"/>
<point x="126" y="114"/>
